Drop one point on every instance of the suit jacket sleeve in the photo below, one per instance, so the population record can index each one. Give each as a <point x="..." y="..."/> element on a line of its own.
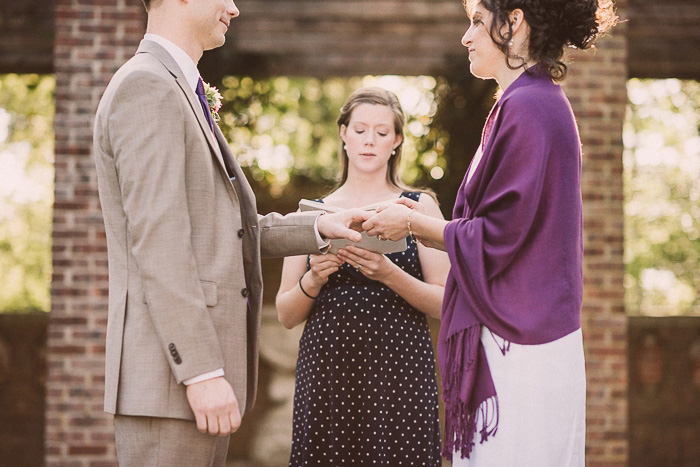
<point x="146" y="132"/>
<point x="293" y="234"/>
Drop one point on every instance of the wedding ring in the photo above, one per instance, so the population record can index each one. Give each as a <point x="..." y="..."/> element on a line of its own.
<point x="379" y="237"/>
<point x="359" y="266"/>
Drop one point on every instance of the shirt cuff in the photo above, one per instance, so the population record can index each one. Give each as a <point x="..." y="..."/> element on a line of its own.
<point x="204" y="377"/>
<point x="322" y="244"/>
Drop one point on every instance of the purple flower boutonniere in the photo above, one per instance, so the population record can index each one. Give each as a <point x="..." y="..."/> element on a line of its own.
<point x="213" y="99"/>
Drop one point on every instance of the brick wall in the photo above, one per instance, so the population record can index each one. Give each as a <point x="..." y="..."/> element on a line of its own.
<point x="22" y="388"/>
<point x="664" y="391"/>
<point x="596" y="88"/>
<point x="93" y="38"/>
<point x="341" y="38"/>
<point x="26" y="36"/>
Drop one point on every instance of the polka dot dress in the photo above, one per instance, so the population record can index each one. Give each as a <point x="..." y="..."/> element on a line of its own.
<point x="365" y="391"/>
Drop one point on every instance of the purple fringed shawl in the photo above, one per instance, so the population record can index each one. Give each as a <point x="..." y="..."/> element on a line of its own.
<point x="516" y="249"/>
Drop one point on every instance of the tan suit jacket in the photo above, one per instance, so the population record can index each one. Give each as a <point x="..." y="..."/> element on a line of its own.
<point x="184" y="243"/>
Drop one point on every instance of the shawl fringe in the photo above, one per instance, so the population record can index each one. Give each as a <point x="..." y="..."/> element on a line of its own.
<point x="462" y="412"/>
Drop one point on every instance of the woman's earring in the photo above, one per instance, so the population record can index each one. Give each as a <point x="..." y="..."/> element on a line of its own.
<point x="345" y="146"/>
<point x="510" y="44"/>
<point x="393" y="153"/>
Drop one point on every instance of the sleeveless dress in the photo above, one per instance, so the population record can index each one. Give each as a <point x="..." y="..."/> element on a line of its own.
<point x="366" y="391"/>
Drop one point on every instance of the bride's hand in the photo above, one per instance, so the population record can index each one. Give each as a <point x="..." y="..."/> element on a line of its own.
<point x="391" y="222"/>
<point x="415" y="205"/>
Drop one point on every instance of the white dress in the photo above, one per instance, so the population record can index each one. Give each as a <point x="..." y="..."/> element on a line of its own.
<point x="542" y="405"/>
<point x="542" y="402"/>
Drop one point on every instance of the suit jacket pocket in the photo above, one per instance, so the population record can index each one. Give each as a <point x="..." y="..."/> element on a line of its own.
<point x="211" y="297"/>
<point x="210" y="294"/>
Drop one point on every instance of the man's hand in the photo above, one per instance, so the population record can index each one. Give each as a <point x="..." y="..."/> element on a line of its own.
<point x="215" y="406"/>
<point x="344" y="224"/>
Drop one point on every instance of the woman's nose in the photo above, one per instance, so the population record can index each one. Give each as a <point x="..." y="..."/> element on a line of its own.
<point x="466" y="40"/>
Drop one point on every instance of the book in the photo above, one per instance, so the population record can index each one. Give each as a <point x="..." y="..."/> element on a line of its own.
<point x="368" y="242"/>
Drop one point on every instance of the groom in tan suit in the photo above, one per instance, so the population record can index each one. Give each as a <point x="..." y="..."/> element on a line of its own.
<point x="185" y="242"/>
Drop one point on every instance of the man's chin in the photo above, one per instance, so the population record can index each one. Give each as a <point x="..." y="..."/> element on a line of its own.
<point x="216" y="42"/>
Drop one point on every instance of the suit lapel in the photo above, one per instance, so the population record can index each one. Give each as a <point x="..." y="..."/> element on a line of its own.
<point x="164" y="57"/>
<point x="246" y="195"/>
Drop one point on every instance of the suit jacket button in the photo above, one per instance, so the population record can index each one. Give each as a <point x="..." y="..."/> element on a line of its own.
<point x="175" y="354"/>
<point x="244" y="292"/>
<point x="241" y="233"/>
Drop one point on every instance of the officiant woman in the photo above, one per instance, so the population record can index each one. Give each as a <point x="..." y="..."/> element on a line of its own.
<point x="365" y="391"/>
<point x="510" y="346"/>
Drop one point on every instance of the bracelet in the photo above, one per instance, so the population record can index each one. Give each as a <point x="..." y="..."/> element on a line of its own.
<point x="304" y="291"/>
<point x="410" y="232"/>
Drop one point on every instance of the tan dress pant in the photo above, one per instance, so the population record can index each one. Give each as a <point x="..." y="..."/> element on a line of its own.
<point x="166" y="442"/>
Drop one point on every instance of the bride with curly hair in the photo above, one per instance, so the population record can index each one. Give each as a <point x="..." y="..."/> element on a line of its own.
<point x="510" y="347"/>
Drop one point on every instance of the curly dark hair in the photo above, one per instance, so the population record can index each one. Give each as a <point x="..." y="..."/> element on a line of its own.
<point x="554" y="25"/>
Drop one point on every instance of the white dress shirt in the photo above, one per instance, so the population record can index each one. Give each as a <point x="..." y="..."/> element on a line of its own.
<point x="184" y="61"/>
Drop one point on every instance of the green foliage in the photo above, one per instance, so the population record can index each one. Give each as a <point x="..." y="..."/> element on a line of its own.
<point x="283" y="130"/>
<point x="26" y="191"/>
<point x="662" y="197"/>
<point x="463" y="105"/>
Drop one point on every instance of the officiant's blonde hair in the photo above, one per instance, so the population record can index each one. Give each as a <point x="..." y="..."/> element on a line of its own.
<point x="376" y="96"/>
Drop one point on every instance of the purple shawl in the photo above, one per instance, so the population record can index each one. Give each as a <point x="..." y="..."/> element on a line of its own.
<point x="516" y="249"/>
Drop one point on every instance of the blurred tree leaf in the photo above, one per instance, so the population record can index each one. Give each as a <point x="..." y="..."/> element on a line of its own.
<point x="282" y="129"/>
<point x="284" y="132"/>
<point x="26" y="190"/>
<point x="662" y="197"/>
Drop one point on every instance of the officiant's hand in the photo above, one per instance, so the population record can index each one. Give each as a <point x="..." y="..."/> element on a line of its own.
<point x="323" y="266"/>
<point x="344" y="224"/>
<point x="373" y="265"/>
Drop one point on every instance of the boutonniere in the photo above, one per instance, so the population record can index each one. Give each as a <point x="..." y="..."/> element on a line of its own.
<point x="213" y="99"/>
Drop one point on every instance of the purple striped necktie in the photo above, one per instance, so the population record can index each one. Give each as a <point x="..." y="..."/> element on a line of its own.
<point x="203" y="101"/>
<point x="207" y="113"/>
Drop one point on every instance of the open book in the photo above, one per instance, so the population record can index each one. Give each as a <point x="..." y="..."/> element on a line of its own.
<point x="367" y="242"/>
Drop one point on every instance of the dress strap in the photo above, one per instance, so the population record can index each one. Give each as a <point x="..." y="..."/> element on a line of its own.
<point x="412" y="195"/>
